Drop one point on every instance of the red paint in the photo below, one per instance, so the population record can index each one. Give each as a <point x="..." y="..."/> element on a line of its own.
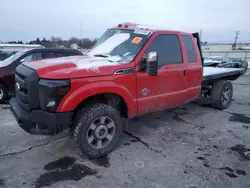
<point x="83" y="88"/>
<point x="174" y="85"/>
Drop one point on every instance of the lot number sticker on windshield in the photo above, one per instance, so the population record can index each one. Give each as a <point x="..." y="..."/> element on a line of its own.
<point x="136" y="40"/>
<point x="142" y="32"/>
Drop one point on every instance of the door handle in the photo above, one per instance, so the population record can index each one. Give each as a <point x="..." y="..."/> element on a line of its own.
<point x="185" y="73"/>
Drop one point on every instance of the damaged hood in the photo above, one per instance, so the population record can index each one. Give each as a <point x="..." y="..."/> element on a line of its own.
<point x="210" y="62"/>
<point x="75" y="67"/>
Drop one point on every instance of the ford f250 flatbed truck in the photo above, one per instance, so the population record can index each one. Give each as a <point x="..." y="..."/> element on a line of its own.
<point x="131" y="71"/>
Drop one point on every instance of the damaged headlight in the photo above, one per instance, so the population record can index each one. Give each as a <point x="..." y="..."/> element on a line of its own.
<point x="51" y="92"/>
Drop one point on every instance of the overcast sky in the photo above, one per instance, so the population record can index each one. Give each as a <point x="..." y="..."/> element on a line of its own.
<point x="28" y="19"/>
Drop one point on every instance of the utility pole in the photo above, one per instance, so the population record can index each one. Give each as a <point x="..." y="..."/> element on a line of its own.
<point x="81" y="34"/>
<point x="237" y="33"/>
<point x="200" y="34"/>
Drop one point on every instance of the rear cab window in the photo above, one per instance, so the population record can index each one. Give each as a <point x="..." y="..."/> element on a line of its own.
<point x="190" y="49"/>
<point x="51" y="54"/>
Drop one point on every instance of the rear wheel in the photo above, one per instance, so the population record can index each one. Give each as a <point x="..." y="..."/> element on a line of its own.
<point x="3" y="93"/>
<point x="97" y="129"/>
<point x="221" y="94"/>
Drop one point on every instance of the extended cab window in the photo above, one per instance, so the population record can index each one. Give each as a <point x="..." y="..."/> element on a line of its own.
<point x="191" y="53"/>
<point x="168" y="48"/>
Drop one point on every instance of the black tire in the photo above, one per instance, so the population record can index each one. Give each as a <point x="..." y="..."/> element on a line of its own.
<point x="245" y="70"/>
<point x="82" y="127"/>
<point x="218" y="98"/>
<point x="3" y="93"/>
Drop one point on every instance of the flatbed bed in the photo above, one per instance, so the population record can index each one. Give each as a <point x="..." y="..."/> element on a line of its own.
<point x="216" y="73"/>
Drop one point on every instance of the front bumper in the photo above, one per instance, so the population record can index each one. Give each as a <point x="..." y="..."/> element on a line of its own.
<point x="40" y="122"/>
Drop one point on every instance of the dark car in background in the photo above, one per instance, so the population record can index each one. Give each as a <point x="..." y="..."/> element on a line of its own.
<point x="218" y="61"/>
<point x="240" y="63"/>
<point x="8" y="66"/>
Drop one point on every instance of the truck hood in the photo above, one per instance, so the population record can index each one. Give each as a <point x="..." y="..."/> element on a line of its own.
<point x="75" y="67"/>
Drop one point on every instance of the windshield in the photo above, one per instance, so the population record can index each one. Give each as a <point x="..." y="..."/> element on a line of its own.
<point x="119" y="45"/>
<point x="10" y="59"/>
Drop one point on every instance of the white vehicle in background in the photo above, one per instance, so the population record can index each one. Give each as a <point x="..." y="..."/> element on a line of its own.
<point x="218" y="61"/>
<point x="18" y="47"/>
<point x="6" y="50"/>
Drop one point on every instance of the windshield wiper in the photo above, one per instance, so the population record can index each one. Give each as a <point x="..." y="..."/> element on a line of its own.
<point x="101" y="55"/>
<point x="110" y="58"/>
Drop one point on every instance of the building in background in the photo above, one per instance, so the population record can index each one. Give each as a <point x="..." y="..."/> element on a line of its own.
<point x="226" y="49"/>
<point x="216" y="47"/>
<point x="74" y="46"/>
<point x="212" y="47"/>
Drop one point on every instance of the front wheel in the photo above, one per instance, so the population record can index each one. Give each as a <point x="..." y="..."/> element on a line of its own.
<point x="97" y="129"/>
<point x="221" y="94"/>
<point x="3" y="93"/>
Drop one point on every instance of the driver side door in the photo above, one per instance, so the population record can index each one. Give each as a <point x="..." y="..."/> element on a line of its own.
<point x="168" y="89"/>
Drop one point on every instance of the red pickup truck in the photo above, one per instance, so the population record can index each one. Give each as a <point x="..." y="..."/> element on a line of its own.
<point x="132" y="70"/>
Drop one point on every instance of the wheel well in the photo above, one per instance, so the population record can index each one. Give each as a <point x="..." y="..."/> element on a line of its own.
<point x="208" y="86"/>
<point x="2" y="82"/>
<point x="111" y="99"/>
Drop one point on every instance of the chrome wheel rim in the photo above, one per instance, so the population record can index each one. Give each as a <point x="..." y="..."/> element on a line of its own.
<point x="1" y="94"/>
<point x="226" y="95"/>
<point x="101" y="132"/>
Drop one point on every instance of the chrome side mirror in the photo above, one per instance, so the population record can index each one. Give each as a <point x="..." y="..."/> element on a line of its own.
<point x="22" y="60"/>
<point x="152" y="63"/>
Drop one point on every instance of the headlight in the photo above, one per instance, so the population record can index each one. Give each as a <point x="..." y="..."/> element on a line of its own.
<point x="51" y="92"/>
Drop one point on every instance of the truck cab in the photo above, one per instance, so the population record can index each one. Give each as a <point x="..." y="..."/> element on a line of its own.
<point x="131" y="71"/>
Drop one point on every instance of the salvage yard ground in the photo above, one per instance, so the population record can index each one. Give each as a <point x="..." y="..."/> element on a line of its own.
<point x="193" y="146"/>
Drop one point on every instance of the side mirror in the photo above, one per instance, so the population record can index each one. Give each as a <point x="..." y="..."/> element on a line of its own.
<point x="142" y="65"/>
<point x="22" y="60"/>
<point x="152" y="63"/>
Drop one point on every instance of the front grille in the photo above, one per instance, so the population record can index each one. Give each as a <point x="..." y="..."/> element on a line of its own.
<point x="27" y="87"/>
<point x="21" y="88"/>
